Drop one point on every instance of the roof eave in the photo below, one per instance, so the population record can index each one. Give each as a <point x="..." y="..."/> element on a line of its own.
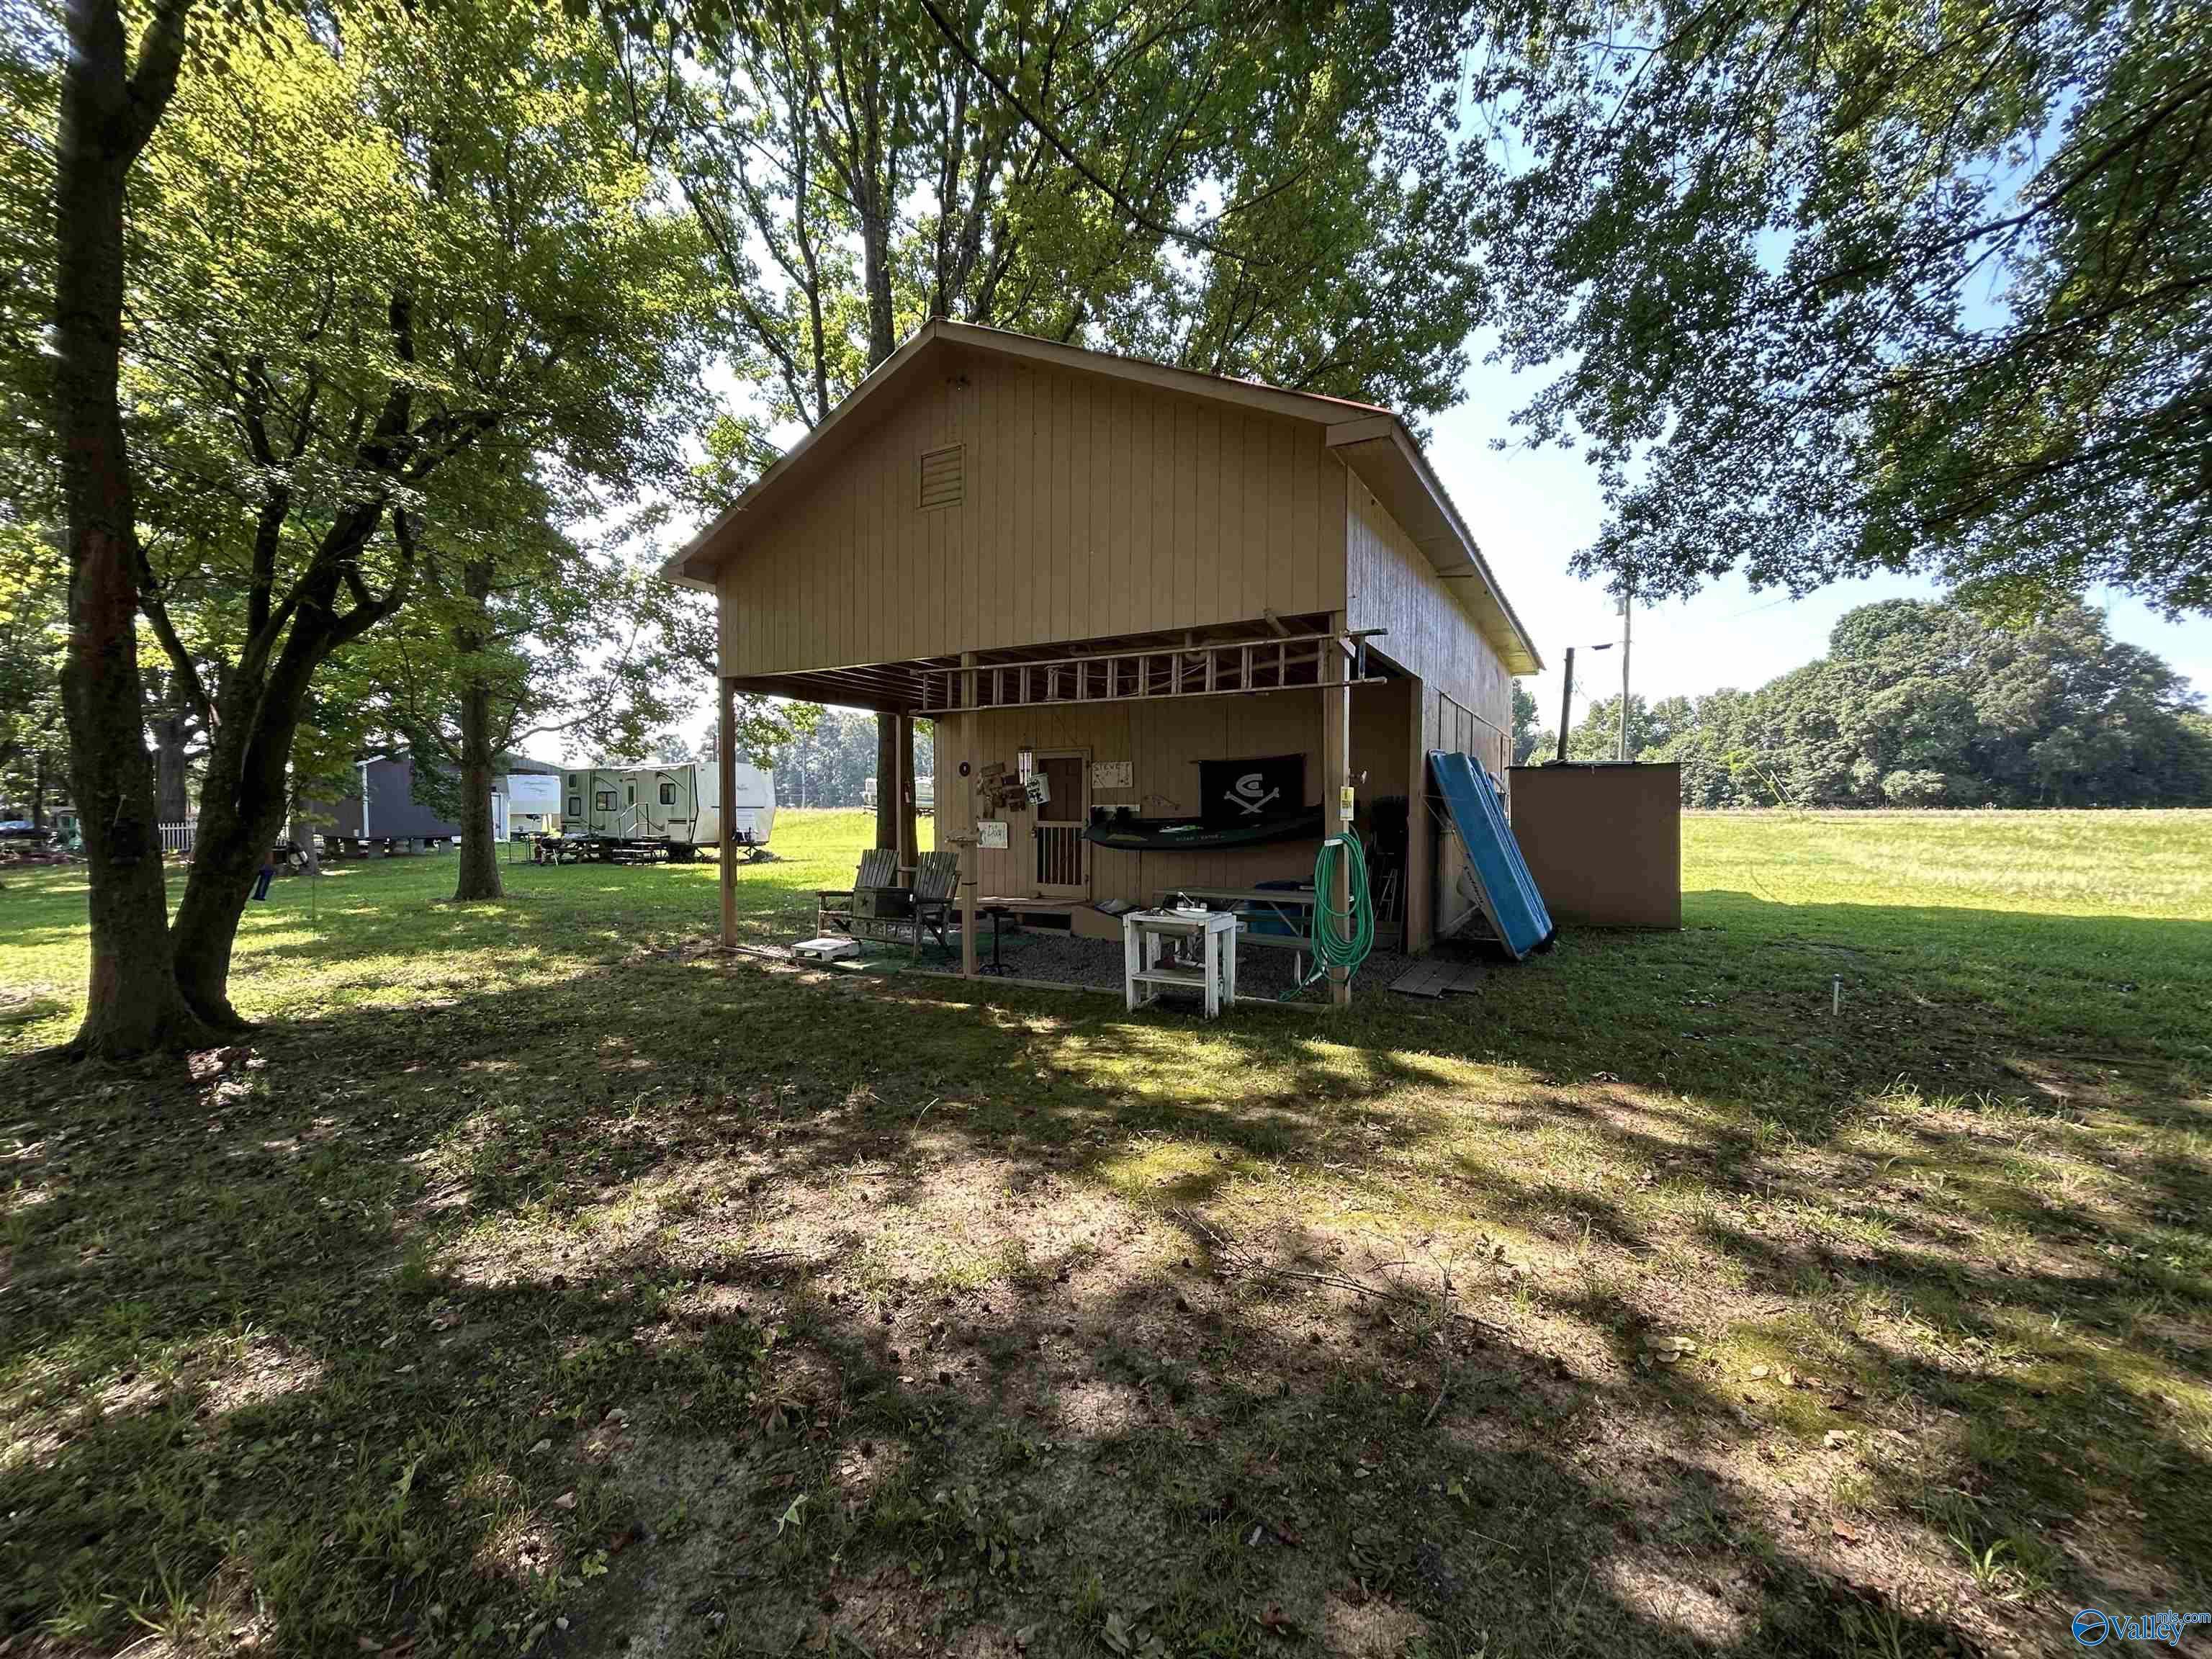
<point x="689" y="566"/>
<point x="1382" y="453"/>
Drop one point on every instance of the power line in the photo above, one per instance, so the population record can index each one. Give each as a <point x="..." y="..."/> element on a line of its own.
<point x="1786" y="599"/>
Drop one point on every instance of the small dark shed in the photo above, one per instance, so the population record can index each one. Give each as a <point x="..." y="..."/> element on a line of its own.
<point x="393" y="813"/>
<point x="395" y="810"/>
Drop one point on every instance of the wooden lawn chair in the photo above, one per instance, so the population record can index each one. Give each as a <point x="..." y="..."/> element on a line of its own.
<point x="936" y="886"/>
<point x="832" y="910"/>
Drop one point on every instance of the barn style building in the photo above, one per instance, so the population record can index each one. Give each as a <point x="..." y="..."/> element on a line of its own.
<point x="1189" y="604"/>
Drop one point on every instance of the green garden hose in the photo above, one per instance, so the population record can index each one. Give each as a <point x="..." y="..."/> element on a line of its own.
<point x="1339" y="938"/>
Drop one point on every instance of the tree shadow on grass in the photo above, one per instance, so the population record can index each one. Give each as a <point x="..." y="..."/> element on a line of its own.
<point x="885" y="1313"/>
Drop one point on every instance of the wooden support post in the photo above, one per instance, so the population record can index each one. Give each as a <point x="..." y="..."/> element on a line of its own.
<point x="725" y="769"/>
<point x="971" y="858"/>
<point x="1566" y="704"/>
<point x="909" y="836"/>
<point x="1336" y="776"/>
<point x="1420" y="885"/>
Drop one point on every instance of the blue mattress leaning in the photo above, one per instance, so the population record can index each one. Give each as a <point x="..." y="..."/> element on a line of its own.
<point x="1509" y="900"/>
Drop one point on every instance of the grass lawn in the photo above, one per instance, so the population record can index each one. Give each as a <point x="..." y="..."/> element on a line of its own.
<point x="536" y="1280"/>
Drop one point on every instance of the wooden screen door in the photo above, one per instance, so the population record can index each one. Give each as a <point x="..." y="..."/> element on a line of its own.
<point x="1063" y="857"/>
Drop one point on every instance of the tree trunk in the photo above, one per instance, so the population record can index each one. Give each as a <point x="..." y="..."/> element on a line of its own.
<point x="876" y="276"/>
<point x="172" y="802"/>
<point x="239" y="816"/>
<point x="133" y="1006"/>
<point x="887" y="777"/>
<point x="244" y="794"/>
<point x="38" y="792"/>
<point x="479" y="873"/>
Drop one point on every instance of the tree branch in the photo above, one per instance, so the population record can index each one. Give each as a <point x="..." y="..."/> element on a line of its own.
<point x="1051" y="134"/>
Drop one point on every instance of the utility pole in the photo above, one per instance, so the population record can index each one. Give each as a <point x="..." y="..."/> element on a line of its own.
<point x="1627" y="610"/>
<point x="1566" y="704"/>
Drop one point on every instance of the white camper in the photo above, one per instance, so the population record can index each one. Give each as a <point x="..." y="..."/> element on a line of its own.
<point x="531" y="801"/>
<point x="643" y="811"/>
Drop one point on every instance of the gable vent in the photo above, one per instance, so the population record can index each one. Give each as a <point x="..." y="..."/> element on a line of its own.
<point x="943" y="476"/>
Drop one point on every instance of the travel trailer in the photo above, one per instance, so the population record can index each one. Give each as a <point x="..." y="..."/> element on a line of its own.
<point x="672" y="811"/>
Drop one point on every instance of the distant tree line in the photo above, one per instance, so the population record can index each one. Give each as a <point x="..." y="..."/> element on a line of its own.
<point x="1925" y="704"/>
<point x="827" y="763"/>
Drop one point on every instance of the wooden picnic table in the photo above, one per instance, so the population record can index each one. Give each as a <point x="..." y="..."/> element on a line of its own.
<point x="1302" y="896"/>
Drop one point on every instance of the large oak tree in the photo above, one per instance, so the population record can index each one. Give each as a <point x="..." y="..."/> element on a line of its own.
<point x="1230" y="186"/>
<point x="365" y="265"/>
<point x="1832" y="288"/>
<point x="112" y="100"/>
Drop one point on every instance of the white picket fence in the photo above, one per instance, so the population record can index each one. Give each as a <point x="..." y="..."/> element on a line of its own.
<point x="178" y="838"/>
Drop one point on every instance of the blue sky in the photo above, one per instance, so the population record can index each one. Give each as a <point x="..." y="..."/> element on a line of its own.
<point x="1531" y="509"/>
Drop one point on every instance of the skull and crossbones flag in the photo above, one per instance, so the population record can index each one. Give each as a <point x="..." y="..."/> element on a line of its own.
<point x="1243" y="791"/>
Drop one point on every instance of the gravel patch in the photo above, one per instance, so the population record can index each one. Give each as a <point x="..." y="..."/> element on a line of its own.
<point x="1262" y="971"/>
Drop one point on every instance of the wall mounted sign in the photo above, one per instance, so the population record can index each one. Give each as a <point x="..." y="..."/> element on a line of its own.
<point x="1242" y="790"/>
<point x="993" y="832"/>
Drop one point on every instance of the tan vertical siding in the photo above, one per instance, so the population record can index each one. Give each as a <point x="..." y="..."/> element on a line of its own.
<point x="1391" y="585"/>
<point x="1091" y="507"/>
<point x="1163" y="740"/>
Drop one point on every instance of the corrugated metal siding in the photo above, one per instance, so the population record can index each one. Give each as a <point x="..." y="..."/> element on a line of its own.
<point x="1087" y="508"/>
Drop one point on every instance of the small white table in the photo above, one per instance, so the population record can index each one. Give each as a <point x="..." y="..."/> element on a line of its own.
<point x="1145" y="976"/>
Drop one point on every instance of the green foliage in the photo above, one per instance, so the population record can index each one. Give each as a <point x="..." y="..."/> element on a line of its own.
<point x="1841" y="287"/>
<point x="34" y="599"/>
<point x="769" y="729"/>
<point x="1527" y="739"/>
<point x="29" y="91"/>
<point x="826" y="765"/>
<point x="1596" y="735"/>
<point x="33" y="574"/>
<point x="573" y="647"/>
<point x="1284" y="203"/>
<point x="1924" y="704"/>
<point x="446" y="210"/>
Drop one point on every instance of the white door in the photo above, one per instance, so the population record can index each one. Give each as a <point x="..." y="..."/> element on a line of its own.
<point x="1063" y="856"/>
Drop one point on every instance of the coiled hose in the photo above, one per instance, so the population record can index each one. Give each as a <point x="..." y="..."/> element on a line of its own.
<point x="1339" y="938"/>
